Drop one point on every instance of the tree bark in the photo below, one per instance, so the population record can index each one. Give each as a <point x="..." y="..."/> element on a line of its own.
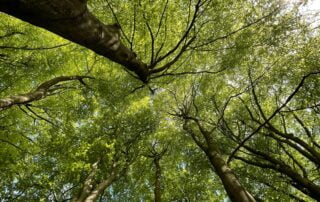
<point x="72" y="20"/>
<point x="235" y="190"/>
<point x="94" y="194"/>
<point x="157" y="186"/>
<point x="88" y="184"/>
<point x="91" y="190"/>
<point x="42" y="91"/>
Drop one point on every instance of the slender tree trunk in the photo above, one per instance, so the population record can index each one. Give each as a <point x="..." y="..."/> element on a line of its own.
<point x="94" y="194"/>
<point x="91" y="190"/>
<point x="88" y="184"/>
<point x="72" y="20"/>
<point x="90" y="194"/>
<point x="235" y="190"/>
<point x="157" y="184"/>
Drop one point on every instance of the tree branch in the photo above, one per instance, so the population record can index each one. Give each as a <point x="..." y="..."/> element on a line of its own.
<point x="39" y="93"/>
<point x="72" y="20"/>
<point x="272" y="115"/>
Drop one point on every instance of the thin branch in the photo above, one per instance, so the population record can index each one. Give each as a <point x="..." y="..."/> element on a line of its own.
<point x="272" y="115"/>
<point x="40" y="92"/>
<point x="117" y="21"/>
<point x="151" y="37"/>
<point x="307" y="131"/>
<point x="134" y="27"/>
<point x="182" y="39"/>
<point x="15" y="146"/>
<point x="161" y="18"/>
<point x="24" y="111"/>
<point x="295" y="161"/>
<point x="40" y="117"/>
<point x="293" y="144"/>
<point x="34" y="49"/>
<point x="235" y="31"/>
<point x="175" y="59"/>
<point x="137" y="88"/>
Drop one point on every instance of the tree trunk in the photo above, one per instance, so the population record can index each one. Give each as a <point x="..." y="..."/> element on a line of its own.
<point x="235" y="190"/>
<point x="72" y="20"/>
<point x="90" y="190"/>
<point x="94" y="194"/>
<point x="157" y="185"/>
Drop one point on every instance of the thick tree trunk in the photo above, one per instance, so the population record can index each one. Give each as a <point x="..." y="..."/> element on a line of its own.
<point x="72" y="20"/>
<point x="235" y="190"/>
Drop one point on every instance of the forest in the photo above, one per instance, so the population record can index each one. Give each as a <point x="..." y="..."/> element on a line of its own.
<point x="159" y="100"/>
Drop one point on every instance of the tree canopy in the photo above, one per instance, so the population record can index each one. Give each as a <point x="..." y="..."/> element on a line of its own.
<point x="189" y="100"/>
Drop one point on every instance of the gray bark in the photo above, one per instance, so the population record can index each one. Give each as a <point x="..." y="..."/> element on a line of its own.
<point x="39" y="93"/>
<point x="72" y="20"/>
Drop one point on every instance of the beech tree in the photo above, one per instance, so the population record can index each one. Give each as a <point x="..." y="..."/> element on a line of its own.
<point x="72" y="20"/>
<point x="218" y="100"/>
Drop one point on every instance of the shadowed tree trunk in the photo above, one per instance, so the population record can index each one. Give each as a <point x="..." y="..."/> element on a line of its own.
<point x="232" y="185"/>
<point x="157" y="156"/>
<point x="234" y="189"/>
<point x="157" y="186"/>
<point x="72" y="20"/>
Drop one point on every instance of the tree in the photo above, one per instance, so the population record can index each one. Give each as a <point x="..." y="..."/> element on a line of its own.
<point x="223" y="86"/>
<point x="203" y="138"/>
<point x="72" y="20"/>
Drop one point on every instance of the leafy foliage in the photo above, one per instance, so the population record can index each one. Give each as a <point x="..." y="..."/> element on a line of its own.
<point x="248" y="75"/>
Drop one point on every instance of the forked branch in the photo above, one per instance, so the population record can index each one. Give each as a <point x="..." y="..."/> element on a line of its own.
<point x="43" y="90"/>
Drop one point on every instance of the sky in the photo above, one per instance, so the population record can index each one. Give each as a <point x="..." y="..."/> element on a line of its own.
<point x="312" y="8"/>
<point x="314" y="5"/>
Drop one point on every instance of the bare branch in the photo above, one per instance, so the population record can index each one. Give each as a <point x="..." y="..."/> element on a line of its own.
<point x="306" y="129"/>
<point x="117" y="21"/>
<point x="15" y="146"/>
<point x="174" y="60"/>
<point x="34" y="49"/>
<point x="151" y="37"/>
<point x="134" y="27"/>
<point x="161" y="18"/>
<point x="40" y="117"/>
<point x="272" y="115"/>
<point x="182" y="39"/>
<point x="235" y="31"/>
<point x="40" y="92"/>
<point x="187" y="73"/>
